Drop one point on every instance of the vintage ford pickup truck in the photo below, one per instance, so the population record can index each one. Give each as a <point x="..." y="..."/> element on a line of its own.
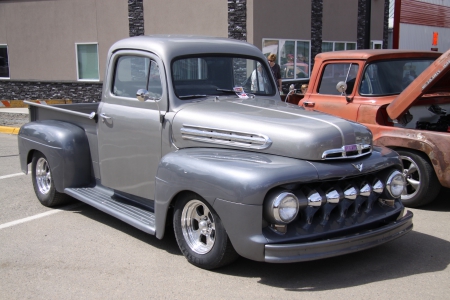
<point x="404" y="99"/>
<point x="190" y="131"/>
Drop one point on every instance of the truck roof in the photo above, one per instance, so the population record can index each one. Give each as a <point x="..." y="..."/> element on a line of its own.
<point x="170" y="46"/>
<point x="374" y="54"/>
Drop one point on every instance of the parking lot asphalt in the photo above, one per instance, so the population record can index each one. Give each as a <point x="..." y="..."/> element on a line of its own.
<point x="76" y="252"/>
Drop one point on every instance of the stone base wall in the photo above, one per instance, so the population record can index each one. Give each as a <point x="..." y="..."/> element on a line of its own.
<point x="316" y="29"/>
<point x="237" y="19"/>
<point x="36" y="90"/>
<point x="136" y="17"/>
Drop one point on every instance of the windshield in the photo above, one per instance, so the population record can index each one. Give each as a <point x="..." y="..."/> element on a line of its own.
<point x="391" y="77"/>
<point x="196" y="77"/>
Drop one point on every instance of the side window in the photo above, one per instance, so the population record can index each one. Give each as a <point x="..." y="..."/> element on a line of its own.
<point x="130" y="75"/>
<point x="334" y="73"/>
<point x="154" y="82"/>
<point x="4" y="63"/>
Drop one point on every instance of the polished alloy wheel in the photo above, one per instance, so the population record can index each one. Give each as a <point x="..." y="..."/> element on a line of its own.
<point x="43" y="176"/>
<point x="412" y="176"/>
<point x="198" y="227"/>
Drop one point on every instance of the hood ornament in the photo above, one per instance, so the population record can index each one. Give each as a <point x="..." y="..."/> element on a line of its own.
<point x="358" y="166"/>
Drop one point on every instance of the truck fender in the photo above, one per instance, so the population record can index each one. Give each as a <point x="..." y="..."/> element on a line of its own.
<point x="230" y="181"/>
<point x="65" y="146"/>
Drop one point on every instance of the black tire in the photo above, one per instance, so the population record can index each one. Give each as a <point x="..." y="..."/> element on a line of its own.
<point x="200" y="234"/>
<point x="422" y="184"/>
<point x="43" y="184"/>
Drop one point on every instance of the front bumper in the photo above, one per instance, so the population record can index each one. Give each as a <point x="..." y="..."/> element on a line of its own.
<point x="287" y="253"/>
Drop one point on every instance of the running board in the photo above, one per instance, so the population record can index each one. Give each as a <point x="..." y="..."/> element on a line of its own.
<point x="102" y="199"/>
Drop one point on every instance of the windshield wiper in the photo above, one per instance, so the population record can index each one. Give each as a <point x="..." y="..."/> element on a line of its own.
<point x="226" y="91"/>
<point x="191" y="96"/>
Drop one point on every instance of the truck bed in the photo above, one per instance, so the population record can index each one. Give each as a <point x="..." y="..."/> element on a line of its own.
<point x="83" y="115"/>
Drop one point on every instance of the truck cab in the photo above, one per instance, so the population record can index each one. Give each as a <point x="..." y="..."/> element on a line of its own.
<point x="363" y="86"/>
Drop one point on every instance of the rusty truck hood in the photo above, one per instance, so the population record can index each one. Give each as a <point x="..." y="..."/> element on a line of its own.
<point x="433" y="80"/>
<point x="268" y="126"/>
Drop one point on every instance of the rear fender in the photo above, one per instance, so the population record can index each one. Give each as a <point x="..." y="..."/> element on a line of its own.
<point x="66" y="148"/>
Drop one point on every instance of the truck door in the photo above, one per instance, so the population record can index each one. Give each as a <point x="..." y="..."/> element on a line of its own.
<point x="326" y="98"/>
<point x="129" y="131"/>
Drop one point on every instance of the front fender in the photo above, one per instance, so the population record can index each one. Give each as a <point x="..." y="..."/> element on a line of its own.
<point x="236" y="182"/>
<point x="65" y="146"/>
<point x="232" y="175"/>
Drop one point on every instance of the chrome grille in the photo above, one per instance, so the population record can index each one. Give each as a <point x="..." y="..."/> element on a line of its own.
<point x="347" y="151"/>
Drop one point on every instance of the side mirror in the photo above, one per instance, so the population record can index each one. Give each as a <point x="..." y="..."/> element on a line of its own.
<point x="142" y="95"/>
<point x="291" y="87"/>
<point x="341" y="86"/>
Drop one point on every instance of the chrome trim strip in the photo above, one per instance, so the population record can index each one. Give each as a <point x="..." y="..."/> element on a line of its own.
<point x="343" y="153"/>
<point x="225" y="137"/>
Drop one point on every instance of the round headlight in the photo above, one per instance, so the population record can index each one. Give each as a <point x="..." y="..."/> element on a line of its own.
<point x="395" y="184"/>
<point x="285" y="207"/>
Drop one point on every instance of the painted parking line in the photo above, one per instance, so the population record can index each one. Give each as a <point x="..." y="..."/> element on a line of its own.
<point x="38" y="216"/>
<point x="11" y="175"/>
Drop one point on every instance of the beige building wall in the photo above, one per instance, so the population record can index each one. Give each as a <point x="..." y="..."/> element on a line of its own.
<point x="287" y="19"/>
<point x="197" y="17"/>
<point x="340" y="20"/>
<point x="41" y="44"/>
<point x="377" y="17"/>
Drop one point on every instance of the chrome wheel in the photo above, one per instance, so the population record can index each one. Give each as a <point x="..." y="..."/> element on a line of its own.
<point x="198" y="227"/>
<point x="43" y="176"/>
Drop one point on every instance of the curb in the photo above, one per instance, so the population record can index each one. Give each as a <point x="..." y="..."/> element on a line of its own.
<point x="20" y="104"/>
<point x="9" y="130"/>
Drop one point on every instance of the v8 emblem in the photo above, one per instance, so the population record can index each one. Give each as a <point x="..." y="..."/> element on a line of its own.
<point x="358" y="166"/>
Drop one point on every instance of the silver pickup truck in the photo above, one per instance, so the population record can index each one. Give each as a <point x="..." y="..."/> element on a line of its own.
<point x="191" y="132"/>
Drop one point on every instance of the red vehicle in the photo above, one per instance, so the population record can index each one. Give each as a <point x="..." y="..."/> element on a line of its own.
<point x="403" y="97"/>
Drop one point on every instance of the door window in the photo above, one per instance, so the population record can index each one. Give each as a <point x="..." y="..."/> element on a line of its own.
<point x="131" y="75"/>
<point x="154" y="86"/>
<point x="334" y="73"/>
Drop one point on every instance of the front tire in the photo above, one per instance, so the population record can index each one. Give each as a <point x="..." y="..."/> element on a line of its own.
<point x="422" y="184"/>
<point x="200" y="234"/>
<point x="43" y="184"/>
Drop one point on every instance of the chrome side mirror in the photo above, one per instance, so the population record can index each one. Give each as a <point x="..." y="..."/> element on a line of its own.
<point x="341" y="87"/>
<point x="142" y="95"/>
<point x="291" y="87"/>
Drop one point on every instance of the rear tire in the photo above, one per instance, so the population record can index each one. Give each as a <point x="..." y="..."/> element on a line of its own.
<point x="422" y="184"/>
<point x="43" y="184"/>
<point x="200" y="234"/>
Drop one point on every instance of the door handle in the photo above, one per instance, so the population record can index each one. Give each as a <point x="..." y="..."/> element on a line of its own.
<point x="104" y="117"/>
<point x="308" y="103"/>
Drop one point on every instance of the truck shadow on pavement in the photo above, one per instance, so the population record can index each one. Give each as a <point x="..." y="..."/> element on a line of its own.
<point x="412" y="254"/>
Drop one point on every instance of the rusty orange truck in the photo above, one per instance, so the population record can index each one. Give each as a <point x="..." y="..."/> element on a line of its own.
<point x="403" y="97"/>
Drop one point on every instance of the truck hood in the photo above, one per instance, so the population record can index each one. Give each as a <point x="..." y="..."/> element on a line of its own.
<point x="269" y="126"/>
<point x="433" y="80"/>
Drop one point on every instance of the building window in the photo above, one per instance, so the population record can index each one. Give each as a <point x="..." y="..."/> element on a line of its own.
<point x="376" y="44"/>
<point x="4" y="62"/>
<point x="293" y="56"/>
<point x="337" y="46"/>
<point x="87" y="61"/>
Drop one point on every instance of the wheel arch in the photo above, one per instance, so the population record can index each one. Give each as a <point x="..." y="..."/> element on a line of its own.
<point x="64" y="145"/>
<point x="427" y="150"/>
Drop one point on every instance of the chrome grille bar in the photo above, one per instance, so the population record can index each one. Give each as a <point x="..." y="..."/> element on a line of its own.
<point x="225" y="137"/>
<point x="347" y="151"/>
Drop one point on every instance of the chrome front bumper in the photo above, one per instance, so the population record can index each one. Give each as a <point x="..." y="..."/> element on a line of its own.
<point x="287" y="253"/>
